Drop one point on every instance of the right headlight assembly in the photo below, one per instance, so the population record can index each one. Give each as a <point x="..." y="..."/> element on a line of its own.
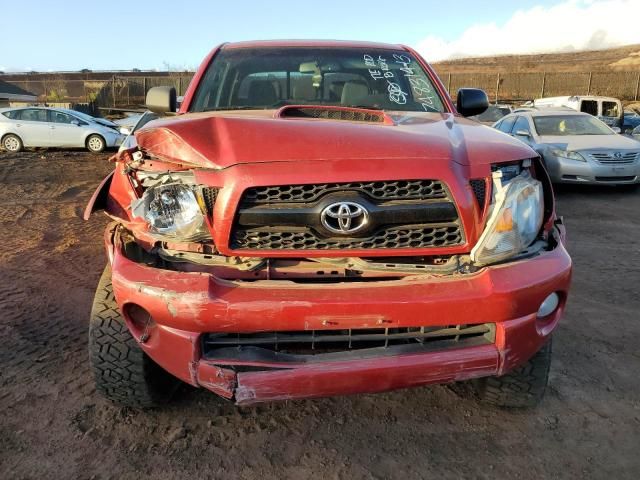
<point x="515" y="219"/>
<point x="173" y="212"/>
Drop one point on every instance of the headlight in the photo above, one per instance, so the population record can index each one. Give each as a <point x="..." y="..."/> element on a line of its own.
<point x="556" y="152"/>
<point x="514" y="221"/>
<point x="173" y="211"/>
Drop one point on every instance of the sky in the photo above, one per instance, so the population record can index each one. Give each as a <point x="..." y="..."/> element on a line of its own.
<point x="57" y="35"/>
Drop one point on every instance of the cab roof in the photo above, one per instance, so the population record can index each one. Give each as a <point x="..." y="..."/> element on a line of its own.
<point x="312" y="43"/>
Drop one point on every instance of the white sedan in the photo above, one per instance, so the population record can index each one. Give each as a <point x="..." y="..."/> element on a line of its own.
<point x="55" y="127"/>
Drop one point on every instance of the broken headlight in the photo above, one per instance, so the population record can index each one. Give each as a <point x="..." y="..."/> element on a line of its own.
<point x="174" y="211"/>
<point x="515" y="218"/>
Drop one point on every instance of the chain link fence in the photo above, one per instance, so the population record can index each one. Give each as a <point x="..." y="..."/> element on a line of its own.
<point x="130" y="91"/>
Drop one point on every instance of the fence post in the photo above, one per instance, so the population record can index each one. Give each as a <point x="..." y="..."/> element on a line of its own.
<point x="589" y="86"/>
<point x="498" y="87"/>
<point x="144" y="90"/>
<point x="635" y="97"/>
<point x="544" y="81"/>
<point x="113" y="91"/>
<point x="449" y="84"/>
<point x="179" y="85"/>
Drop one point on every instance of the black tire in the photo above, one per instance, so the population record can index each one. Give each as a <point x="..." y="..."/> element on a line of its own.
<point x="95" y="143"/>
<point x="123" y="372"/>
<point x="523" y="387"/>
<point x="12" y="143"/>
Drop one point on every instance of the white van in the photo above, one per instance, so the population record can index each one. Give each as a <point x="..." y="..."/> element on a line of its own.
<point x="607" y="109"/>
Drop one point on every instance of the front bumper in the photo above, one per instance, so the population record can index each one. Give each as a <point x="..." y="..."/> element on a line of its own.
<point x="114" y="140"/>
<point x="563" y="170"/>
<point x="186" y="305"/>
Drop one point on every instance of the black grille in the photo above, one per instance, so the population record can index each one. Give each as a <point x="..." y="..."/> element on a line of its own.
<point x="384" y="191"/>
<point x="616" y="179"/>
<point x="414" y="237"/>
<point x="479" y="187"/>
<point x="333" y="114"/>
<point x="320" y="341"/>
<point x="209" y="195"/>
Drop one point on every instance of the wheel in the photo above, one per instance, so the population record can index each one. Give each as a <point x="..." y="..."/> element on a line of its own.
<point x="521" y="388"/>
<point x="123" y="372"/>
<point x="95" y="143"/>
<point x="12" y="143"/>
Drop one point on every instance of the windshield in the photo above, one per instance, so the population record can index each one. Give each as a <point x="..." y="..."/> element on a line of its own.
<point x="561" y="125"/>
<point x="493" y="114"/>
<point x="81" y="115"/>
<point x="265" y="78"/>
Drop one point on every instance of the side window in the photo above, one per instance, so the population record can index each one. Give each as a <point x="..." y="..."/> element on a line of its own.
<point x="590" y="107"/>
<point x="11" y="114"/>
<point x="59" y="117"/>
<point x="32" y="115"/>
<point x="497" y="125"/>
<point x="506" y="124"/>
<point x="522" y="124"/>
<point x="610" y="109"/>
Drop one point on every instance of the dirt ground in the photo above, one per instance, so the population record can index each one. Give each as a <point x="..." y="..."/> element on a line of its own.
<point x="54" y="425"/>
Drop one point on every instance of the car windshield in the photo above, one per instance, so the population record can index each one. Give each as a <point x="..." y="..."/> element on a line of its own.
<point x="267" y="78"/>
<point x="562" y="125"/>
<point x="493" y="114"/>
<point x="81" y="115"/>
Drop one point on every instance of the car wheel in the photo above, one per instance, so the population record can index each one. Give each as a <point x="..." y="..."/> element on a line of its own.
<point x="95" y="143"/>
<point x="12" y="143"/>
<point x="122" y="371"/>
<point x="522" y="387"/>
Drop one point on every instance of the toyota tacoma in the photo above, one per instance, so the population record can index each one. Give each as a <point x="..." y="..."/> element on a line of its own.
<point x="320" y="219"/>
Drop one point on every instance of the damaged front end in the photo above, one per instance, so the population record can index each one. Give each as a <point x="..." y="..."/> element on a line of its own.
<point x="269" y="326"/>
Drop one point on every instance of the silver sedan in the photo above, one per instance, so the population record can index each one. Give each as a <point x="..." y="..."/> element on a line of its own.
<point x="576" y="147"/>
<point x="54" y="127"/>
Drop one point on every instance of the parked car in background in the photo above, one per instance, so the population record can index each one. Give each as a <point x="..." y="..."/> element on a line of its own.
<point x="576" y="147"/>
<point x="607" y="109"/>
<point x="128" y="122"/>
<point x="141" y="121"/>
<point x="492" y="114"/>
<point x="55" y="127"/>
<point x="630" y="122"/>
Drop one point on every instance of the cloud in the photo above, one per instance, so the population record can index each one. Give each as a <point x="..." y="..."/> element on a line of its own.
<point x="568" y="26"/>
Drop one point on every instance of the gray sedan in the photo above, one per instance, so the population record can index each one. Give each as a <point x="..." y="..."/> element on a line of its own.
<point x="55" y="127"/>
<point x="576" y="147"/>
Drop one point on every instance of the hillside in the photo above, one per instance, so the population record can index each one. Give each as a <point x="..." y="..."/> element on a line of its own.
<point x="621" y="59"/>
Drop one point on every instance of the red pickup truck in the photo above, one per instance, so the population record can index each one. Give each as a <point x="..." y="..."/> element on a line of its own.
<point x="319" y="219"/>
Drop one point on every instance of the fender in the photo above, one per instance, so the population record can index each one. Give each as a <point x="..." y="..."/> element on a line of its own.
<point x="98" y="200"/>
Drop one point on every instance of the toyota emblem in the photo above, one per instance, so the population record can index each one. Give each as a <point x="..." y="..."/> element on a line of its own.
<point x="344" y="217"/>
<point x="618" y="155"/>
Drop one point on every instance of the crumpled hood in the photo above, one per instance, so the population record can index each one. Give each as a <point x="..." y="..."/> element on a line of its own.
<point x="592" y="142"/>
<point x="222" y="139"/>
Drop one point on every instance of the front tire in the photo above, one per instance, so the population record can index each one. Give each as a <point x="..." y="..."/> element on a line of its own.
<point x="523" y="387"/>
<point x="96" y="144"/>
<point x="123" y="372"/>
<point x="12" y="143"/>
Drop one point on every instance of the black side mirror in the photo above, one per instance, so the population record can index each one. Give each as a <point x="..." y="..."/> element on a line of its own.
<point x="471" y="101"/>
<point x="162" y="100"/>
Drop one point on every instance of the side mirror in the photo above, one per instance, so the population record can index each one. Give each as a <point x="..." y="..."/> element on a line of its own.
<point x="522" y="133"/>
<point x="161" y="100"/>
<point x="616" y="129"/>
<point x="75" y="122"/>
<point x="471" y="101"/>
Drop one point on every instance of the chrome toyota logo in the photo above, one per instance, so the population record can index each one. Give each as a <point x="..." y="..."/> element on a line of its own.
<point x="618" y="155"/>
<point x="344" y="217"/>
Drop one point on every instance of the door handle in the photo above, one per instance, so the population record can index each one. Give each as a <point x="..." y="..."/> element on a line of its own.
<point x="52" y="127"/>
<point x="18" y="124"/>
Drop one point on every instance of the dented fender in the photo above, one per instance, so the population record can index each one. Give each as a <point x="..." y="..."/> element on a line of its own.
<point x="98" y="200"/>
